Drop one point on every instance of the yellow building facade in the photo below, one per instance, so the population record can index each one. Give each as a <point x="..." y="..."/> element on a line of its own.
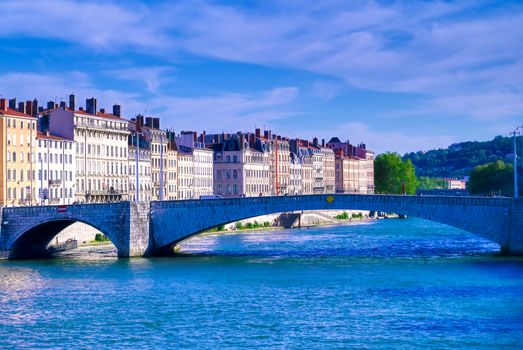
<point x="17" y="157"/>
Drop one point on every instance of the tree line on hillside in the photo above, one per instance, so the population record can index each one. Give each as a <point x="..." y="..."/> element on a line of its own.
<point x="394" y="175"/>
<point x="459" y="159"/>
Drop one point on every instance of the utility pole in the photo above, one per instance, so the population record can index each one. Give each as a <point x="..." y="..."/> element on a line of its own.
<point x="516" y="192"/>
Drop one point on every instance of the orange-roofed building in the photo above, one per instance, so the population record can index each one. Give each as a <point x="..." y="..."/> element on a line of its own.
<point x="17" y="156"/>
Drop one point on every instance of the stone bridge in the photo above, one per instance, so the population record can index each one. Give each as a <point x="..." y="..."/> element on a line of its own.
<point x="139" y="229"/>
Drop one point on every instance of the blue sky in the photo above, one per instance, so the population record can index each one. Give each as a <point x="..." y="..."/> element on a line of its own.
<point x="398" y="75"/>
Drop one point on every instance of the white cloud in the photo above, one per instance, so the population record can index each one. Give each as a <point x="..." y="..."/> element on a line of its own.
<point x="412" y="47"/>
<point x="326" y="90"/>
<point x="152" y="77"/>
<point x="99" y="25"/>
<point x="56" y="87"/>
<point x="382" y="141"/>
<point x="402" y="47"/>
<point x="225" y="112"/>
<point x="460" y="59"/>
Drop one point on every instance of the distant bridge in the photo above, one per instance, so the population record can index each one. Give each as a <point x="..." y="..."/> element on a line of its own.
<point x="150" y="228"/>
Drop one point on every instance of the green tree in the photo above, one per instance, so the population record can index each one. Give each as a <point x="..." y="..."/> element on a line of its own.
<point x="492" y="179"/>
<point x="389" y="172"/>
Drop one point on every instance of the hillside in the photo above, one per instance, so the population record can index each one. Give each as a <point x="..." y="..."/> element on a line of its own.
<point x="459" y="159"/>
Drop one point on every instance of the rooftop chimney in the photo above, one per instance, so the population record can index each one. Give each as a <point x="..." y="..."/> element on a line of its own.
<point x="156" y="123"/>
<point x="12" y="103"/>
<point x="242" y="141"/>
<point x="21" y="107"/>
<point x="117" y="110"/>
<point x="63" y="105"/>
<point x="194" y="136"/>
<point x="36" y="109"/>
<point x="50" y="104"/>
<point x="102" y="110"/>
<point x="3" y="104"/>
<point x="323" y="142"/>
<point x="29" y="107"/>
<point x="139" y="121"/>
<point x="72" y="102"/>
<point x="91" y="105"/>
<point x="149" y="122"/>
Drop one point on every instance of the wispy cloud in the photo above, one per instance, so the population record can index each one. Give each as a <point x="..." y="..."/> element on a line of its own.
<point x="457" y="58"/>
<point x="227" y="111"/>
<point x="383" y="141"/>
<point x="230" y="111"/>
<point x="401" y="47"/>
<point x="151" y="77"/>
<point x="98" y="25"/>
<point x="57" y="86"/>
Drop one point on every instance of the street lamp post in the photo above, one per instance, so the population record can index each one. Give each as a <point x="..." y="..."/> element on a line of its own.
<point x="161" y="167"/>
<point x="41" y="181"/>
<point x="137" y="150"/>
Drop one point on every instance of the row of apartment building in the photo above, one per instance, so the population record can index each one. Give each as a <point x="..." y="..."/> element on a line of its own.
<point x="62" y="154"/>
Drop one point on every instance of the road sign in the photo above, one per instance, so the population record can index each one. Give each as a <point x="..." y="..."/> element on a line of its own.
<point x="61" y="208"/>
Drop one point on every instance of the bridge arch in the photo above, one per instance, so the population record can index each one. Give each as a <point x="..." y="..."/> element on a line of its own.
<point x="26" y="231"/>
<point x="174" y="221"/>
<point x="33" y="242"/>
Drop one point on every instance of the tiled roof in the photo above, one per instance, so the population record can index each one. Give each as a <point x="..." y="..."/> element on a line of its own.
<point x="108" y="115"/>
<point x="15" y="113"/>
<point x="98" y="114"/>
<point x="42" y="135"/>
<point x="101" y="115"/>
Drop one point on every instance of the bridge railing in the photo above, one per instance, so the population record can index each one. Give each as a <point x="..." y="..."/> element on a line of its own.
<point x="356" y="198"/>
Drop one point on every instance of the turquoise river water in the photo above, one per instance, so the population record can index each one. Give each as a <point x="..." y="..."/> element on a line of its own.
<point x="388" y="284"/>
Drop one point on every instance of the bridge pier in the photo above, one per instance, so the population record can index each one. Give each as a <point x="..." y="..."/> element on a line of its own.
<point x="515" y="244"/>
<point x="139" y="236"/>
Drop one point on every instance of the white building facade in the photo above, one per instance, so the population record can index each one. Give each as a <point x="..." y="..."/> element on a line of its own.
<point x="56" y="169"/>
<point x="144" y="174"/>
<point x="101" y="151"/>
